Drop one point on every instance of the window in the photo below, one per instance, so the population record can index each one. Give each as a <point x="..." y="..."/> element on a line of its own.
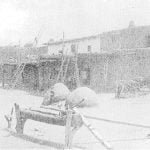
<point x="73" y="48"/>
<point x="89" y="48"/>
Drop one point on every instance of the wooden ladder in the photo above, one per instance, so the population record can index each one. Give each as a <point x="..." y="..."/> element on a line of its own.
<point x="63" y="69"/>
<point x="17" y="74"/>
<point x="77" y="78"/>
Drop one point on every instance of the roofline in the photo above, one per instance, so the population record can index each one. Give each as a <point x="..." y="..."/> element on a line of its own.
<point x="124" y="29"/>
<point x="93" y="36"/>
<point x="73" y="40"/>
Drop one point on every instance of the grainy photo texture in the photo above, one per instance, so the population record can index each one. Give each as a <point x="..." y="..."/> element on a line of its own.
<point x="75" y="74"/>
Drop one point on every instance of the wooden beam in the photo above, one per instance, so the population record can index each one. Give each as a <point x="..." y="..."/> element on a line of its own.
<point x="42" y="117"/>
<point x="45" y="111"/>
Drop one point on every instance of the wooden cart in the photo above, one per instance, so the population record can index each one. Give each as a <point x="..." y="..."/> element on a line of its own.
<point x="67" y="118"/>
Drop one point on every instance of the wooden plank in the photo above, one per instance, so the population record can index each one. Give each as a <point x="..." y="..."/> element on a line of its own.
<point x="45" y="111"/>
<point x="52" y="108"/>
<point x="41" y="117"/>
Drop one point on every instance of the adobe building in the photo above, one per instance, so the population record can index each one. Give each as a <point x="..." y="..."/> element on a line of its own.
<point x="110" y="56"/>
<point x="103" y="59"/>
<point x="128" y="38"/>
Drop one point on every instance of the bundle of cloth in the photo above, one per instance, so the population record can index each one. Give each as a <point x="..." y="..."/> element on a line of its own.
<point x="80" y="97"/>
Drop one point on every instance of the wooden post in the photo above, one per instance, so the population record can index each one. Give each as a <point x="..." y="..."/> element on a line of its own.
<point x="60" y="73"/>
<point x="3" y="76"/>
<point x="36" y="75"/>
<point x="38" y="78"/>
<point x="76" y="68"/>
<point x="106" y="72"/>
<point x="23" y="80"/>
<point x="8" y="119"/>
<point x="90" y="67"/>
<point x="68" y="130"/>
<point x="65" y="70"/>
<point x="118" y="90"/>
<point x="20" y="121"/>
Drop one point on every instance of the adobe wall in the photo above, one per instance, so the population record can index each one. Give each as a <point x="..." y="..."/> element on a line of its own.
<point x="81" y="46"/>
<point x="137" y="37"/>
<point x="120" y="66"/>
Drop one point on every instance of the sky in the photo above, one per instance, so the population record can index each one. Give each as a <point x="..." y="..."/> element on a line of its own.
<point x="23" y="20"/>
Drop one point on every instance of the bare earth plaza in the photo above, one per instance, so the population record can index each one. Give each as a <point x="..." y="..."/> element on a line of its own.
<point x="74" y="75"/>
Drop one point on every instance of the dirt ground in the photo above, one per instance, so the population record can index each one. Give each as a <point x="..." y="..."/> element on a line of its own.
<point x="43" y="136"/>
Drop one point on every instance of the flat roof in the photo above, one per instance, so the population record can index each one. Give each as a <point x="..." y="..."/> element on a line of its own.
<point x="72" y="40"/>
<point x="98" y="35"/>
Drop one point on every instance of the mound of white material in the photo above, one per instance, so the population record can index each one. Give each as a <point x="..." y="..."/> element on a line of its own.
<point x="56" y="93"/>
<point x="84" y="94"/>
<point x="60" y="90"/>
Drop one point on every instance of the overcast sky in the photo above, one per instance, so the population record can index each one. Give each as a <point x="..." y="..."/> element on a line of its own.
<point x="22" y="20"/>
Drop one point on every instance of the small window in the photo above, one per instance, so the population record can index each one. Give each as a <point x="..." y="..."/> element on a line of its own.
<point x="89" y="48"/>
<point x="73" y="48"/>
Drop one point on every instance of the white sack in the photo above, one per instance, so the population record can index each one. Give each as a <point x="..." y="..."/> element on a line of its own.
<point x="60" y="92"/>
<point x="88" y="96"/>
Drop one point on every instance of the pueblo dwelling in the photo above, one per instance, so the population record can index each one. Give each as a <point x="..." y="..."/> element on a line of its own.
<point x="103" y="59"/>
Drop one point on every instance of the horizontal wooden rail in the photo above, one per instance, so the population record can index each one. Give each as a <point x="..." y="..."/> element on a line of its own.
<point x="52" y="108"/>
<point x="117" y="122"/>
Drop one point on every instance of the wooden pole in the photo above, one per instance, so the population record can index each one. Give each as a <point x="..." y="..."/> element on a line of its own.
<point x="43" y="79"/>
<point x="36" y="77"/>
<point x="90" y="67"/>
<point x="76" y="68"/>
<point x="106" y="72"/>
<point x="61" y="69"/>
<point x="60" y="74"/>
<point x="9" y="118"/>
<point x="66" y="69"/>
<point x="3" y="76"/>
<point x="94" y="132"/>
<point x="68" y="130"/>
<point x="20" y="121"/>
